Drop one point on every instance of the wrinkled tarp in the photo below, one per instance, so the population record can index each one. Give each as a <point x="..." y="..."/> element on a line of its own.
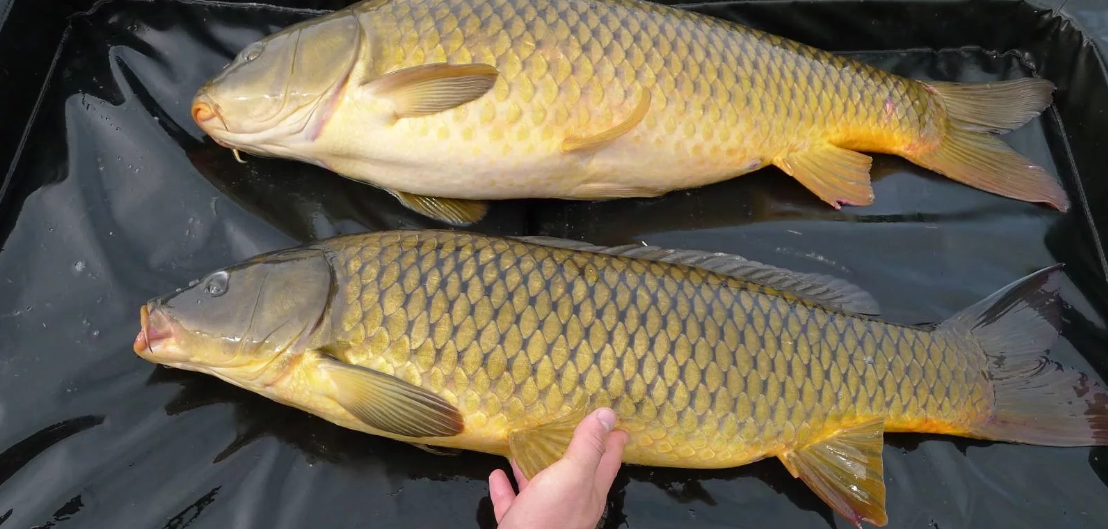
<point x="115" y="196"/>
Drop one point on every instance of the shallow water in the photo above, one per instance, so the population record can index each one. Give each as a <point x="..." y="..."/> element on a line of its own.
<point x="118" y="197"/>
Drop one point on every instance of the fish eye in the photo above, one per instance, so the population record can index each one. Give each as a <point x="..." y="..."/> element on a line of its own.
<point x="217" y="284"/>
<point x="252" y="53"/>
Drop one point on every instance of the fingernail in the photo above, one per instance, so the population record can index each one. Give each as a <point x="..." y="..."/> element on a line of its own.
<point x="607" y="417"/>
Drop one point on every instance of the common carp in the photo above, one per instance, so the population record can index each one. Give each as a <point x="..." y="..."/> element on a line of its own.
<point x="450" y="103"/>
<point x="455" y="340"/>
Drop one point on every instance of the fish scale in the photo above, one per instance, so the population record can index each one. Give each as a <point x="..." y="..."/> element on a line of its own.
<point x="704" y="370"/>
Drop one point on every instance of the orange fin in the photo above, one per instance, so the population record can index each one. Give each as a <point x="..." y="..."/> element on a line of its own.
<point x="1035" y="400"/>
<point x="846" y="471"/>
<point x="433" y="88"/>
<point x="455" y="211"/>
<point x="835" y="175"/>
<point x="969" y="154"/>
<point x="596" y="141"/>
<point x="982" y="161"/>
<point x="538" y="447"/>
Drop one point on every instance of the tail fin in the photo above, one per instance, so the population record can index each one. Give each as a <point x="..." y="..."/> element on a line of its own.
<point x="970" y="154"/>
<point x="1036" y="400"/>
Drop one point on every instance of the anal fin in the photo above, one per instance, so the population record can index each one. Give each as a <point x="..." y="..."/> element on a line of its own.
<point x="835" y="175"/>
<point x="455" y="211"/>
<point x="595" y="141"/>
<point x="845" y="469"/>
<point x="538" y="447"/>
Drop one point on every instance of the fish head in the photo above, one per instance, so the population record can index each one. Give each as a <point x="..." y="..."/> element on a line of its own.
<point x="239" y="320"/>
<point x="280" y="90"/>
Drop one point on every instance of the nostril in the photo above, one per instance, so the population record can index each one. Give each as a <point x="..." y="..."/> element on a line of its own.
<point x="202" y="112"/>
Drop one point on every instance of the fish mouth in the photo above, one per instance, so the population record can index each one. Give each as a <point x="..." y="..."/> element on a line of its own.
<point x="209" y="117"/>
<point x="207" y="114"/>
<point x="156" y="335"/>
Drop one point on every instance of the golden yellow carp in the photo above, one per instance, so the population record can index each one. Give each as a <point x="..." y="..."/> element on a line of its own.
<point x="450" y="103"/>
<point x="501" y="345"/>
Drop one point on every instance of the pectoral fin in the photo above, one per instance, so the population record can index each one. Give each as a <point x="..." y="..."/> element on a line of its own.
<point x="835" y="175"/>
<point x="845" y="470"/>
<point x="536" y="448"/>
<point x="432" y="88"/>
<point x="458" y="212"/>
<point x="388" y="403"/>
<point x="595" y="141"/>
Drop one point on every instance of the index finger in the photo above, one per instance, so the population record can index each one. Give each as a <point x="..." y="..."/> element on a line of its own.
<point x="521" y="480"/>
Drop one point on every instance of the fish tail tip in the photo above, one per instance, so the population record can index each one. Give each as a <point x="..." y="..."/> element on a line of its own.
<point x="982" y="161"/>
<point x="1035" y="400"/>
<point x="998" y="106"/>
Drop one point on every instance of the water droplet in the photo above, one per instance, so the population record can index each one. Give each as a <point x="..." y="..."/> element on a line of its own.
<point x="79" y="266"/>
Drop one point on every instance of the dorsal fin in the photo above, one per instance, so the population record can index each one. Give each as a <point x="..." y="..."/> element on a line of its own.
<point x="829" y="291"/>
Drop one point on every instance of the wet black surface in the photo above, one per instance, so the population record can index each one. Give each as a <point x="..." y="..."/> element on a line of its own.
<point x="117" y="197"/>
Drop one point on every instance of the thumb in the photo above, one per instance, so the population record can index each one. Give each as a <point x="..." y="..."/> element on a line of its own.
<point x="590" y="438"/>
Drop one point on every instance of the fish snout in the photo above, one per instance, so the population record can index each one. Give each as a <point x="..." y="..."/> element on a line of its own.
<point x="156" y="332"/>
<point x="205" y="112"/>
<point x="202" y="111"/>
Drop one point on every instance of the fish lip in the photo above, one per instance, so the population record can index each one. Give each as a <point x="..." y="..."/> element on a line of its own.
<point x="156" y="330"/>
<point x="207" y="114"/>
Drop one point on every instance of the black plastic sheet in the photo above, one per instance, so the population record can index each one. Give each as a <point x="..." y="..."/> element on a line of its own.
<point x="115" y="196"/>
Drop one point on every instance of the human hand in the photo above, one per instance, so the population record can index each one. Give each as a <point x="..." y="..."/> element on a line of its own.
<point x="571" y="493"/>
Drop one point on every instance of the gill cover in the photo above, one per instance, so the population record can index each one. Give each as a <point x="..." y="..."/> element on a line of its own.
<point x="251" y="310"/>
<point x="286" y="79"/>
